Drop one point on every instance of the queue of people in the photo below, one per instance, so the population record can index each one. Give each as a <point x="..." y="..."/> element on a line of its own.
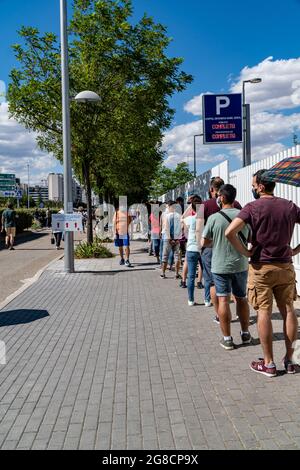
<point x="245" y="256"/>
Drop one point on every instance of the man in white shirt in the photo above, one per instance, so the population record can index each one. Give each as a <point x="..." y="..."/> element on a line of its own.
<point x="171" y="233"/>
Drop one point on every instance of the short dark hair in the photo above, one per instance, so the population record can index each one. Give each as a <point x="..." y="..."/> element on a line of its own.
<point x="10" y="205"/>
<point x="216" y="183"/>
<point x="269" y="185"/>
<point x="170" y="202"/>
<point x="229" y="192"/>
<point x="180" y="200"/>
<point x="195" y="200"/>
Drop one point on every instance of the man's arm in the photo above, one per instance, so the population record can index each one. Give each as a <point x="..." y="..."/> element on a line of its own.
<point x="114" y="224"/>
<point x="206" y="243"/>
<point x="231" y="234"/>
<point x="296" y="251"/>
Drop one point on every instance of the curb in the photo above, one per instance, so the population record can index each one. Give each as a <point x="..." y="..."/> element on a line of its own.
<point x="28" y="283"/>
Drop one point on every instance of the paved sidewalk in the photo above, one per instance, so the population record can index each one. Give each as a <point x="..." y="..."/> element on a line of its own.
<point x="113" y="358"/>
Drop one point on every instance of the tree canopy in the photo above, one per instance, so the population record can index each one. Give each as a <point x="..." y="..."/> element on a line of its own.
<point x="116" y="144"/>
<point x="167" y="179"/>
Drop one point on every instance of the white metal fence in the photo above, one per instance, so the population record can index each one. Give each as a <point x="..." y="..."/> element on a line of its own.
<point x="242" y="179"/>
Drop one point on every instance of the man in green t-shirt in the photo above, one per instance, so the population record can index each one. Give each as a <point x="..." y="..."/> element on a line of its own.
<point x="229" y="268"/>
<point x="9" y="225"/>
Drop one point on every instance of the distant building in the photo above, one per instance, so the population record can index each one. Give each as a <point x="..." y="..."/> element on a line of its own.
<point x="39" y="194"/>
<point x="56" y="187"/>
<point x="7" y="184"/>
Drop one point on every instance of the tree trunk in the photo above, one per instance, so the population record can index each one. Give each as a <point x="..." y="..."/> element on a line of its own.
<point x="88" y="189"/>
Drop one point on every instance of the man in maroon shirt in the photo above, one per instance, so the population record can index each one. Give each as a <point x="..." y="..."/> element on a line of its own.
<point x="271" y="272"/>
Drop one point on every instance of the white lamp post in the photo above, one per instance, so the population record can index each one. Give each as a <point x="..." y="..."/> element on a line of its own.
<point x="85" y="96"/>
<point x="246" y="125"/>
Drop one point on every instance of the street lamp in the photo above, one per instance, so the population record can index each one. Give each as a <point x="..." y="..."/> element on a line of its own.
<point x="85" y="97"/>
<point x="246" y="125"/>
<point x="28" y="201"/>
<point x="195" y="170"/>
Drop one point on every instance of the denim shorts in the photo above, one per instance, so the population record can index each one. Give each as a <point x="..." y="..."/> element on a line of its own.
<point x="235" y="283"/>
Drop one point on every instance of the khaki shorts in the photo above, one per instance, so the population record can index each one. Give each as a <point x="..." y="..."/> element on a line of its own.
<point x="11" y="231"/>
<point x="168" y="247"/>
<point x="266" y="280"/>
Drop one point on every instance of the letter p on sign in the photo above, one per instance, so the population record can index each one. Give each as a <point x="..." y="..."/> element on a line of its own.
<point x="2" y="353"/>
<point x="221" y="102"/>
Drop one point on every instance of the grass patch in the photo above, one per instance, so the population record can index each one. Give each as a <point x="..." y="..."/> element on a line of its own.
<point x="95" y="250"/>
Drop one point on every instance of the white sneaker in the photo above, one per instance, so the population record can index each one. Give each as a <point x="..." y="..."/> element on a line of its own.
<point x="191" y="303"/>
<point x="207" y="304"/>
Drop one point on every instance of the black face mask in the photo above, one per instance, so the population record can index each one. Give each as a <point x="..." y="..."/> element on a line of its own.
<point x="256" y="195"/>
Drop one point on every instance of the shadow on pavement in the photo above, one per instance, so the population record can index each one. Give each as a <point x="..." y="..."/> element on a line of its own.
<point x="17" y="317"/>
<point x="25" y="237"/>
<point x="112" y="273"/>
<point x="35" y="249"/>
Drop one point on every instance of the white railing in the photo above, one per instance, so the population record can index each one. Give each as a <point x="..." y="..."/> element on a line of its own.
<point x="242" y="179"/>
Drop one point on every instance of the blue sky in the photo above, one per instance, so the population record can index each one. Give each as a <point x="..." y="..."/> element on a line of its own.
<point x="222" y="43"/>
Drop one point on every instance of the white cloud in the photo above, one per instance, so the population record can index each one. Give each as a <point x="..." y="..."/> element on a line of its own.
<point x="194" y="106"/>
<point x="18" y="147"/>
<point x="272" y="122"/>
<point x="179" y="145"/>
<point x="280" y="86"/>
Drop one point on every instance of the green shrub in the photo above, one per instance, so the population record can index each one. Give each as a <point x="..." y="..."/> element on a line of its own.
<point x="95" y="250"/>
<point x="36" y="225"/>
<point x="24" y="219"/>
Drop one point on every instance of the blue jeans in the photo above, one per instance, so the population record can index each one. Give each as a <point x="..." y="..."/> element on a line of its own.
<point x="192" y="258"/>
<point x="156" y="246"/>
<point x="206" y="256"/>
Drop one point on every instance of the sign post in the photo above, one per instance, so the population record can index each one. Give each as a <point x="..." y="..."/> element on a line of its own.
<point x="67" y="222"/>
<point x="222" y="119"/>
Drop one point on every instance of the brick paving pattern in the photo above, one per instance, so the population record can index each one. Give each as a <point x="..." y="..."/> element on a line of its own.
<point x="113" y="358"/>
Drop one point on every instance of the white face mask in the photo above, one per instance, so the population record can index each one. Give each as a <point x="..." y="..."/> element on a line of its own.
<point x="219" y="203"/>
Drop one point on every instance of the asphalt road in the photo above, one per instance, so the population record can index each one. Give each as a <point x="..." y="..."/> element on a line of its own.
<point x="33" y="251"/>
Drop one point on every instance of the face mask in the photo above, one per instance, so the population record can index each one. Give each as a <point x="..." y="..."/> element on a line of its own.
<point x="256" y="195"/>
<point x="219" y="203"/>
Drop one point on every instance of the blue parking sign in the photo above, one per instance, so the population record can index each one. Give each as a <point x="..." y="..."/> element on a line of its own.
<point x="222" y="119"/>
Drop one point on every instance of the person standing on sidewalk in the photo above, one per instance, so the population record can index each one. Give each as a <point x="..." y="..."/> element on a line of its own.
<point x="9" y="225"/>
<point x="121" y="222"/>
<point x="210" y="208"/>
<point x="229" y="268"/>
<point x="58" y="234"/>
<point x="192" y="225"/>
<point x="171" y="234"/>
<point x="48" y="217"/>
<point x="272" y="220"/>
<point x="154" y="220"/>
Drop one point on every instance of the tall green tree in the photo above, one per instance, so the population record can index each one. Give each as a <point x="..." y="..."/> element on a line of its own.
<point x="116" y="144"/>
<point x="167" y="179"/>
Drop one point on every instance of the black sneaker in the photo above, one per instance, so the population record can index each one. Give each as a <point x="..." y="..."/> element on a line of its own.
<point x="182" y="284"/>
<point x="11" y="248"/>
<point x="217" y="320"/>
<point x="246" y="338"/>
<point x="200" y="285"/>
<point x="227" y="344"/>
<point x="122" y="262"/>
<point x="178" y="276"/>
<point x="163" y="276"/>
<point x="128" y="264"/>
<point x="289" y="366"/>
